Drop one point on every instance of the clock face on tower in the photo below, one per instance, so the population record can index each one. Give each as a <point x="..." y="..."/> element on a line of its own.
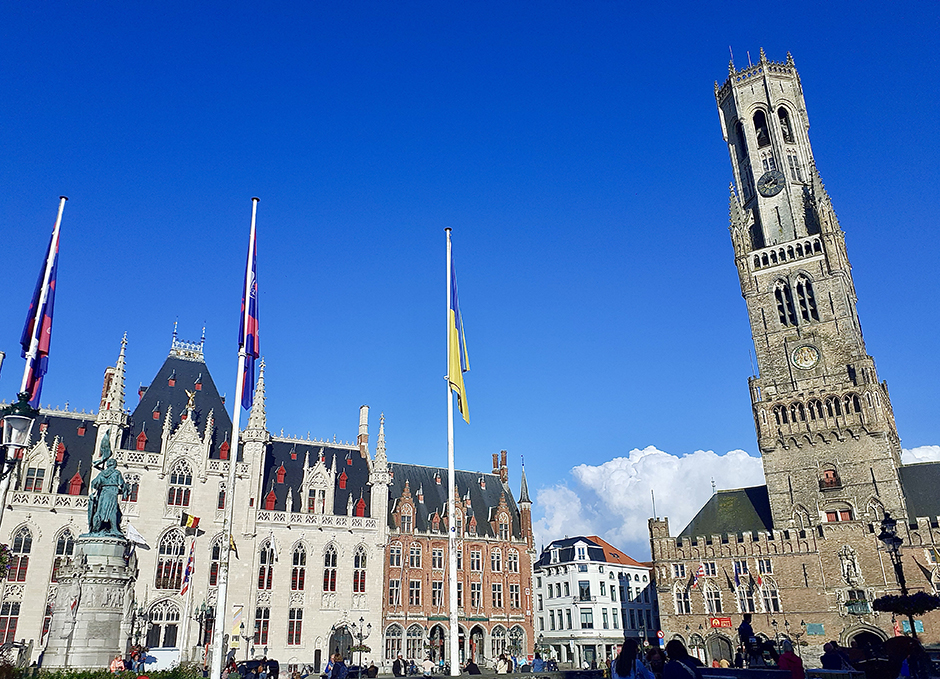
<point x="805" y="357"/>
<point x="771" y="183"/>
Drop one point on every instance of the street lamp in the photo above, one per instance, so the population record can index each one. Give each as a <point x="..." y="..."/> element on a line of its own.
<point x="18" y="419"/>
<point x="361" y="633"/>
<point x="202" y="615"/>
<point x="892" y="541"/>
<point x="245" y="637"/>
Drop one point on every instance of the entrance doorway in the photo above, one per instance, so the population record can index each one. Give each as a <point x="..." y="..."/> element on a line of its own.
<point x="340" y="642"/>
<point x="719" y="648"/>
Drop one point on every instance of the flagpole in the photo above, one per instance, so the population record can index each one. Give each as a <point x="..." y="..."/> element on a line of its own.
<point x="188" y="604"/>
<point x="43" y="295"/>
<point x="451" y="504"/>
<point x="221" y="607"/>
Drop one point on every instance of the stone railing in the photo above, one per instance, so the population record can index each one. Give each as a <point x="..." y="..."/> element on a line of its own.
<point x="330" y="520"/>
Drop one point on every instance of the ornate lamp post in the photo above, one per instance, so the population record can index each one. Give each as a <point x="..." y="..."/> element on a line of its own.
<point x="245" y="637"/>
<point x="202" y="613"/>
<point x="892" y="541"/>
<point x="18" y="419"/>
<point x="361" y="633"/>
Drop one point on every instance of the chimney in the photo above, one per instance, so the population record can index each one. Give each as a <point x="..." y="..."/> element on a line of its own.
<point x="503" y="468"/>
<point x="495" y="463"/>
<point x="363" y="440"/>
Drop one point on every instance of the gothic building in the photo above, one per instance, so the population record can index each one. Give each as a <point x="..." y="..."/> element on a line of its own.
<point x="309" y="523"/>
<point x="800" y="552"/>
<point x="494" y="565"/>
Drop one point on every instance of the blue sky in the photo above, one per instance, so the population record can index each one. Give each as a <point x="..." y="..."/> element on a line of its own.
<point x="574" y="148"/>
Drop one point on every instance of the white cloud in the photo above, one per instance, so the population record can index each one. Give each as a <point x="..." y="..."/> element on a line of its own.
<point x="613" y="499"/>
<point x="921" y="454"/>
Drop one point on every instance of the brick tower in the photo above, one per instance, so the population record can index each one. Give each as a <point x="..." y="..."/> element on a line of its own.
<point x="824" y="423"/>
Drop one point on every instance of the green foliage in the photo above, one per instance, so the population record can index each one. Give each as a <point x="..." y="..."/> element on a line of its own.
<point x="911" y="604"/>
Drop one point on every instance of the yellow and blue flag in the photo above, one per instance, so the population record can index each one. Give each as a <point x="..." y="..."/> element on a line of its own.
<point x="458" y="362"/>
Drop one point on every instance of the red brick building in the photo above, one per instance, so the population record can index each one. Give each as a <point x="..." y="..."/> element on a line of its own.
<point x="494" y="565"/>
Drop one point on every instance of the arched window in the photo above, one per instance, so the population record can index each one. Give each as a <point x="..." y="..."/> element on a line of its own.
<point x="784" y="298"/>
<point x="785" y="126"/>
<point x="815" y="409"/>
<point x="797" y="413"/>
<point x="830" y="479"/>
<point x="393" y="642"/>
<point x="496" y="561"/>
<point x="394" y="555"/>
<point x="359" y="570"/>
<point x="329" y="569"/>
<point x="266" y="565"/>
<point x="760" y="129"/>
<point x="406" y="519"/>
<point x="181" y="479"/>
<point x="806" y="299"/>
<point x="316" y="501"/>
<point x="170" y="561"/>
<point x="19" y="555"/>
<point x="220" y="500"/>
<point x="298" y="573"/>
<point x="498" y="641"/>
<point x="164" y="624"/>
<point x="836" y="514"/>
<point x="415" y="642"/>
<point x="770" y="596"/>
<point x="214" y="558"/>
<point x="683" y="601"/>
<point x="414" y="556"/>
<point x="833" y="406"/>
<point x="512" y="561"/>
<point x="64" y="548"/>
<point x="712" y="599"/>
<point x="745" y="597"/>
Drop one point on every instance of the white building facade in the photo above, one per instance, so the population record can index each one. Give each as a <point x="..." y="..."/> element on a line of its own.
<point x="589" y="595"/>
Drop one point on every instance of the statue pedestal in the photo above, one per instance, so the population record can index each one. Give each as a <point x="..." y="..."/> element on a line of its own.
<point x="92" y="615"/>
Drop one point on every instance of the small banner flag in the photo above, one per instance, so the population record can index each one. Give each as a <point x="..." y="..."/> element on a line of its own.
<point x="458" y="361"/>
<point x="232" y="546"/>
<point x="189" y="522"/>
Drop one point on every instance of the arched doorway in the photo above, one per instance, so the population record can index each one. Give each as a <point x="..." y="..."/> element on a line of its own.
<point x="438" y="643"/>
<point x="462" y="644"/>
<point x="719" y="647"/>
<point x="697" y="647"/>
<point x="340" y="641"/>
<point x="869" y="641"/>
<point x="477" y="650"/>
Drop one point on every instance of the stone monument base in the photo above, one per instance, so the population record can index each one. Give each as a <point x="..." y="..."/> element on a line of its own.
<point x="92" y="614"/>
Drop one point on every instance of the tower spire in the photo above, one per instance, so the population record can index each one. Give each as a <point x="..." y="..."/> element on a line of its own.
<point x="524" y="488"/>
<point x="380" y="442"/>
<point x="111" y="417"/>
<point x="257" y="418"/>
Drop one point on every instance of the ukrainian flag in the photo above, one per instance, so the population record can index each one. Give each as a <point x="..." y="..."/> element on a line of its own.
<point x="458" y="362"/>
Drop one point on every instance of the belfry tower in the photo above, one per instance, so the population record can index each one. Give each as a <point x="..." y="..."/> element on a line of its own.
<point x="824" y="423"/>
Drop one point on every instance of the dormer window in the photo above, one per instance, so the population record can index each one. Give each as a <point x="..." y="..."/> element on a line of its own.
<point x="81" y="429"/>
<point x="281" y="473"/>
<point x="198" y="383"/>
<point x="406" y="520"/>
<point x="348" y="459"/>
<point x="75" y="484"/>
<point x="270" y="499"/>
<point x="360" y="508"/>
<point x="60" y="452"/>
<point x="171" y="381"/>
<point x="224" y="450"/>
<point x="554" y="556"/>
<point x="342" y="481"/>
<point x="582" y="553"/>
<point x="156" y="411"/>
<point x="141" y="440"/>
<point x="33" y="480"/>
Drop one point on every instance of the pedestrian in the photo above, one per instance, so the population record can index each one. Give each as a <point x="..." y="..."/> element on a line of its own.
<point x="427" y="666"/>
<point x="791" y="661"/>
<point x="830" y="659"/>
<point x="628" y="666"/>
<point x="117" y="665"/>
<point x="502" y="664"/>
<point x="398" y="668"/>
<point x="681" y="665"/>
<point x="538" y="665"/>
<point x="373" y="671"/>
<point x="471" y="667"/>
<point x="339" y="670"/>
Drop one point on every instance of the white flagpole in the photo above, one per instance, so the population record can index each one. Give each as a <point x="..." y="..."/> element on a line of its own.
<point x="221" y="604"/>
<point x="451" y="505"/>
<point x="43" y="295"/>
<point x="188" y="604"/>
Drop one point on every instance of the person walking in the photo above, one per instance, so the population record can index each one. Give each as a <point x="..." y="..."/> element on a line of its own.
<point x="339" y="670"/>
<point x="398" y="667"/>
<point x="790" y="661"/>
<point x="628" y="666"/>
<point x="681" y="665"/>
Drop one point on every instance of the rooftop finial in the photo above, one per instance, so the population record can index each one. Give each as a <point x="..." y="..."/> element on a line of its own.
<point x="789" y="59"/>
<point x="763" y="57"/>
<point x="175" y="323"/>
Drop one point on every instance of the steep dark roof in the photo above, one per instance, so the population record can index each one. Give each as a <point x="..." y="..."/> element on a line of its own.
<point x="185" y="372"/>
<point x="732" y="511"/>
<point x="920" y="483"/>
<point x="291" y="453"/>
<point x="79" y="449"/>
<point x="483" y="501"/>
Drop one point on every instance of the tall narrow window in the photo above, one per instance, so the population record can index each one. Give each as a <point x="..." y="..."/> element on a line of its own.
<point x="295" y="621"/>
<point x="496" y="561"/>
<point x="64" y="548"/>
<point x="785" y="126"/>
<point x="220" y="500"/>
<point x="215" y="558"/>
<point x="683" y="601"/>
<point x="170" y="560"/>
<point x="437" y="593"/>
<point x="414" y="557"/>
<point x="514" y="596"/>
<point x="164" y="625"/>
<point x="414" y="593"/>
<point x="512" y="561"/>
<point x="9" y="616"/>
<point x="359" y="570"/>
<point x="394" y="592"/>
<point x="262" y="621"/>
<point x="394" y="555"/>
<point x="806" y="299"/>
<point x="181" y="479"/>
<point x="329" y="569"/>
<point x="497" y="595"/>
<point x="298" y="569"/>
<point x="503" y="527"/>
<point x="265" y="565"/>
<point x="133" y="487"/>
<point x="784" y="298"/>
<point x="760" y="129"/>
<point x="406" y="520"/>
<point x="770" y="596"/>
<point x="392" y="642"/>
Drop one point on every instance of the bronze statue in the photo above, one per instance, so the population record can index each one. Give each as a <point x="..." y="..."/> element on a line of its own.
<point x="104" y="510"/>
